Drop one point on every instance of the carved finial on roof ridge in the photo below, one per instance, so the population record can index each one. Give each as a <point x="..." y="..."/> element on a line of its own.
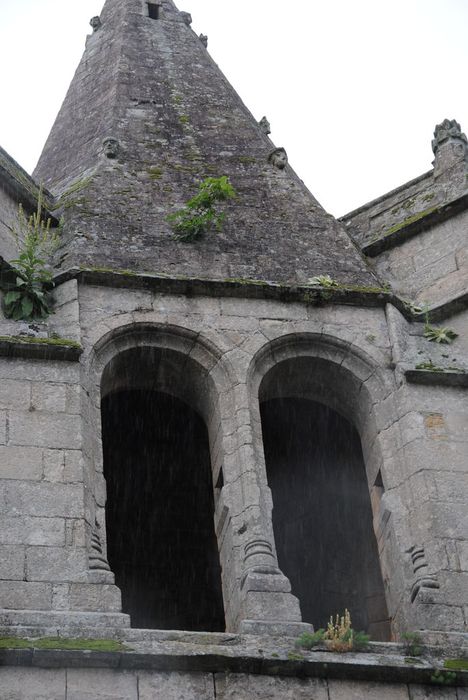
<point x="264" y="124"/>
<point x="448" y="129"/>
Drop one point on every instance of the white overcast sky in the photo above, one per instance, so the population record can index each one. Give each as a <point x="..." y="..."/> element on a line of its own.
<point x="352" y="88"/>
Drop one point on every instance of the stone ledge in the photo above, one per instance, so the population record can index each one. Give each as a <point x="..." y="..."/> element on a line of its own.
<point x="359" y="667"/>
<point x="414" y="225"/>
<point x="353" y="295"/>
<point x="437" y="377"/>
<point x="40" y="348"/>
<point x="448" y="308"/>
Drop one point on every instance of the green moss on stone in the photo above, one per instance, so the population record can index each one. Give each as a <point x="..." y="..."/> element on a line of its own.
<point x="28" y="340"/>
<point x="408" y="221"/>
<point x="184" y="119"/>
<point x="245" y="280"/>
<point x="456" y="664"/>
<point x="155" y="173"/>
<point x="129" y="273"/>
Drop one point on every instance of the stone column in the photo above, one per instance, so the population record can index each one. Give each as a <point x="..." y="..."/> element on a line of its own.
<point x="265" y="601"/>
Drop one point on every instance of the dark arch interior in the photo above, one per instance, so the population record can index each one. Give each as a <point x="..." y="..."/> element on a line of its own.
<point x="159" y="515"/>
<point x="322" y="517"/>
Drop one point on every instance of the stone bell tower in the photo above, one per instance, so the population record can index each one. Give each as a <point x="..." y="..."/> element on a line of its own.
<point x="212" y="446"/>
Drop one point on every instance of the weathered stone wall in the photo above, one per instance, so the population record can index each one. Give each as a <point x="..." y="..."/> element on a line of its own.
<point x="43" y="551"/>
<point x="431" y="267"/>
<point x="413" y="437"/>
<point x="103" y="684"/>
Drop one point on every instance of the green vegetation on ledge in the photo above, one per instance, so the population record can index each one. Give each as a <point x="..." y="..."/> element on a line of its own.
<point x="29" y="340"/>
<point x="456" y="664"/>
<point x="410" y="220"/>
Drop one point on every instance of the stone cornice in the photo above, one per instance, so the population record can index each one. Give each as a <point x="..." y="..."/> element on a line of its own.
<point x="378" y="668"/>
<point x="415" y="224"/>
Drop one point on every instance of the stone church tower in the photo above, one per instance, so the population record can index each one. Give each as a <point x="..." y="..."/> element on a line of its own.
<point x="210" y="447"/>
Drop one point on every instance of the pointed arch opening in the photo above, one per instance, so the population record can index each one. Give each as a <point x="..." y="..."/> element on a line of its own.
<point x="161" y="542"/>
<point x="322" y="515"/>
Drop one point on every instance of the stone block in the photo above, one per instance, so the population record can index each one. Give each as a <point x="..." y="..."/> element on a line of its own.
<point x="73" y="470"/>
<point x="17" y="683"/>
<point x="56" y="564"/>
<point x="25" y="594"/>
<point x="54" y="464"/>
<point x="20" y="462"/>
<point x="262" y="605"/>
<point x="3" y="418"/>
<point x="39" y="371"/>
<point x="427" y="692"/>
<point x="32" y="531"/>
<point x="239" y="686"/>
<point x="462" y="549"/>
<point x="46" y="396"/>
<point x="45" y="429"/>
<point x="94" y="597"/>
<point x="441" y="617"/>
<point x="175" y="686"/>
<point x="42" y="499"/>
<point x="11" y="562"/>
<point x="101" y="684"/>
<point x="362" y="690"/>
<point x="15" y="394"/>
<point x="73" y="398"/>
<point x="65" y="293"/>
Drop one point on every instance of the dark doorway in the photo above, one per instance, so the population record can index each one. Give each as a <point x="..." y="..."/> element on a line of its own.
<point x="160" y="532"/>
<point x="322" y="517"/>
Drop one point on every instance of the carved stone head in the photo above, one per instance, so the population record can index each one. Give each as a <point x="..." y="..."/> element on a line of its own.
<point x="278" y="158"/>
<point x="449" y="129"/>
<point x="96" y="23"/>
<point x="265" y="125"/>
<point x="110" y="147"/>
<point x="204" y="40"/>
<point x="187" y="17"/>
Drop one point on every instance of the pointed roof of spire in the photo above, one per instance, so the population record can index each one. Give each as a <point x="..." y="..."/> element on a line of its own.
<point x="147" y="117"/>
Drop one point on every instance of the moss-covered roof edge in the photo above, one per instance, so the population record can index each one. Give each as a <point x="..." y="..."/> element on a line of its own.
<point x="20" y="185"/>
<point x="415" y="224"/>
<point x="240" y="288"/>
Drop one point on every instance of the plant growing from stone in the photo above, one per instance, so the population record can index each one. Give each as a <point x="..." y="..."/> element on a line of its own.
<point x="323" y="281"/>
<point x="29" y="283"/>
<point x="413" y="643"/>
<point x="443" y="677"/>
<point x="339" y="636"/>
<point x="444" y="336"/>
<point x="201" y="213"/>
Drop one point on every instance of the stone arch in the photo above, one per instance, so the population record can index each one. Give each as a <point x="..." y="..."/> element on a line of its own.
<point x="179" y="364"/>
<point x="308" y="372"/>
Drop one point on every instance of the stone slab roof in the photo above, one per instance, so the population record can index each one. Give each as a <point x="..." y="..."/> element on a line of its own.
<point x="147" y="117"/>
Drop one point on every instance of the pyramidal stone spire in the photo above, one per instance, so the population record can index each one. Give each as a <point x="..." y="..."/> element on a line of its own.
<point x="148" y="116"/>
